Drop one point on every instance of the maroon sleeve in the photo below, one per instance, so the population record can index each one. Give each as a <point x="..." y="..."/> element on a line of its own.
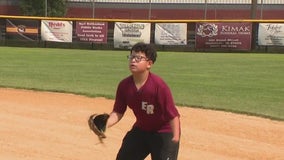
<point x="167" y="103"/>
<point x="120" y="100"/>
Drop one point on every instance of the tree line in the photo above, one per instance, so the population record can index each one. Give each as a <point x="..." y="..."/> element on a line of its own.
<point x="50" y="8"/>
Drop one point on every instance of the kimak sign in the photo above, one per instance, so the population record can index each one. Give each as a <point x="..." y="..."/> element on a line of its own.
<point x="233" y="36"/>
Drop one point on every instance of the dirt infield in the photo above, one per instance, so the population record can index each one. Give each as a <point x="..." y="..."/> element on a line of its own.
<point x="53" y="126"/>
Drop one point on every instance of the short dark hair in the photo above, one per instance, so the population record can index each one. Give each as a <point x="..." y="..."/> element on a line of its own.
<point x="148" y="49"/>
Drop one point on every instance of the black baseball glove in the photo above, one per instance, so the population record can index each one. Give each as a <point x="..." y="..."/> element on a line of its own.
<point x="97" y="123"/>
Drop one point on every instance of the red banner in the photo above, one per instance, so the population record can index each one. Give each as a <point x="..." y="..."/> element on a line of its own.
<point x="231" y="36"/>
<point x="92" y="31"/>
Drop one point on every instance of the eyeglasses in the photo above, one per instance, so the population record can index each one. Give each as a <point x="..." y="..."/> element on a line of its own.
<point x="136" y="58"/>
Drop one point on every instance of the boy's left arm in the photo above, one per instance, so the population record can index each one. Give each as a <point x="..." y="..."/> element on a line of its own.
<point x="175" y="125"/>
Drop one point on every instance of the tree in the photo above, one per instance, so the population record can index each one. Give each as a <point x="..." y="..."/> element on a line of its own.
<point x="55" y="8"/>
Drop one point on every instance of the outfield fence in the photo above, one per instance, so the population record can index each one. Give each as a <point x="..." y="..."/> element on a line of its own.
<point x="236" y="35"/>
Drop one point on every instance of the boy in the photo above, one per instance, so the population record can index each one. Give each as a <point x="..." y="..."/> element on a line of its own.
<point x="157" y="127"/>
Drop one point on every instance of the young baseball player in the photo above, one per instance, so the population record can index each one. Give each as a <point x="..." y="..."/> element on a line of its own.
<point x="157" y="127"/>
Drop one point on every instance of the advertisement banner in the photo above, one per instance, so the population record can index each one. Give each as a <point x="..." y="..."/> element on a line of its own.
<point x="127" y="34"/>
<point x="22" y="29"/>
<point x="231" y="36"/>
<point x="95" y="32"/>
<point x="171" y="33"/>
<point x="271" y="34"/>
<point x="57" y="31"/>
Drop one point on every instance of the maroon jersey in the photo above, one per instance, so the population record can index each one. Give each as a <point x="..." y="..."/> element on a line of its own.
<point x="152" y="104"/>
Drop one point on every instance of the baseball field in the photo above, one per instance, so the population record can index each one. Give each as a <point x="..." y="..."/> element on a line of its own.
<point x="231" y="104"/>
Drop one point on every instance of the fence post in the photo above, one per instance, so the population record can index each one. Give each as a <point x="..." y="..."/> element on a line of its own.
<point x="254" y="24"/>
<point x="150" y="9"/>
<point x="45" y="8"/>
<point x="205" y="10"/>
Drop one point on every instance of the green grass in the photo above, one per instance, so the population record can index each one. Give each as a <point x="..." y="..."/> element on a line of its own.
<point x="239" y="82"/>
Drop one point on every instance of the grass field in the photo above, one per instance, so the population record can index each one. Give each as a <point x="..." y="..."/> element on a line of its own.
<point x="237" y="82"/>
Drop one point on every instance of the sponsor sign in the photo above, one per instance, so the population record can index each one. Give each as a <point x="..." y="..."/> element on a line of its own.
<point x="271" y="34"/>
<point x="127" y="34"/>
<point x="22" y="29"/>
<point x="57" y="31"/>
<point x="171" y="33"/>
<point x="95" y="32"/>
<point x="232" y="36"/>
